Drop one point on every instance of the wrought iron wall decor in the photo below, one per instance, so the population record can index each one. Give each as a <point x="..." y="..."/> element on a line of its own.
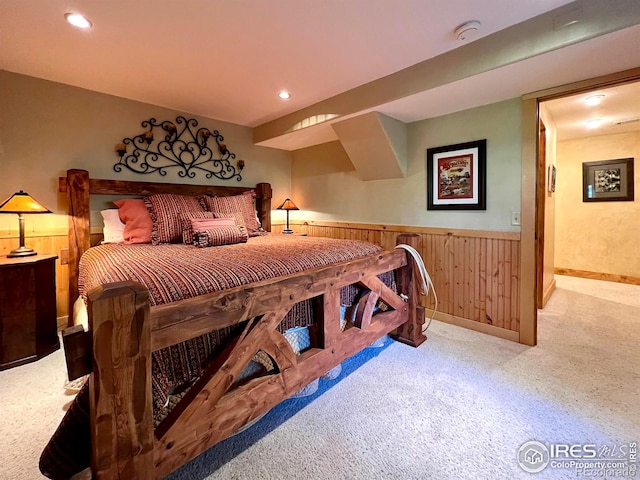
<point x="184" y="145"/>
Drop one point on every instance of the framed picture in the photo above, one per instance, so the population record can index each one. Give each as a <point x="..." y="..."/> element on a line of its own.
<point x="552" y="178"/>
<point x="608" y="180"/>
<point x="457" y="177"/>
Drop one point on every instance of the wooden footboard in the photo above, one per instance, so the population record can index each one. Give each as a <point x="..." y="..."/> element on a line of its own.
<point x="125" y="330"/>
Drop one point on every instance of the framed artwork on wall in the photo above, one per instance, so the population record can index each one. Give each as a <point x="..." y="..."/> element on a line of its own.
<point x="551" y="187"/>
<point x="608" y="181"/>
<point x="456" y="176"/>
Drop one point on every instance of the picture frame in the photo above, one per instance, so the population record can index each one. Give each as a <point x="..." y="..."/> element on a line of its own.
<point x="457" y="177"/>
<point x="608" y="181"/>
<point x="551" y="187"/>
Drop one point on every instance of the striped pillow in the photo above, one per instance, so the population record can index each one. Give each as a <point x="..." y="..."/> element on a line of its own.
<point x="215" y="237"/>
<point x="187" y="226"/>
<point x="204" y="223"/>
<point x="165" y="209"/>
<point x="235" y="203"/>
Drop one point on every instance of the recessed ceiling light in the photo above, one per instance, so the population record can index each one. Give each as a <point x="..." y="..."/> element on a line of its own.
<point x="594" y="123"/>
<point x="593" y="100"/>
<point x="78" y="20"/>
<point x="284" y="95"/>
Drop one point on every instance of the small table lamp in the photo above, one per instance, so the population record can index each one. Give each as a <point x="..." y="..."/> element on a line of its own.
<point x="20" y="203"/>
<point x="288" y="205"/>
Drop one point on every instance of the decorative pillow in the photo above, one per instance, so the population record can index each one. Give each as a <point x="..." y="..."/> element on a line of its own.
<point x="187" y="227"/>
<point x="218" y="236"/>
<point x="165" y="209"/>
<point x="199" y="224"/>
<point x="235" y="203"/>
<point x="237" y="218"/>
<point x="113" y="231"/>
<point x="137" y="221"/>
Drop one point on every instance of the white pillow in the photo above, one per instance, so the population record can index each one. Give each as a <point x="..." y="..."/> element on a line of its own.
<point x="113" y="227"/>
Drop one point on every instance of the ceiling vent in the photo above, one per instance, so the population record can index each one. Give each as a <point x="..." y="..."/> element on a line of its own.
<point x="625" y="122"/>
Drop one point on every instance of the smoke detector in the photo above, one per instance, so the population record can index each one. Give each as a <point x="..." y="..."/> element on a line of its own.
<point x="467" y="30"/>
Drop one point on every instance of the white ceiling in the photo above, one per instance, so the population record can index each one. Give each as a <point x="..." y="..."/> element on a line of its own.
<point x="228" y="59"/>
<point x="619" y="111"/>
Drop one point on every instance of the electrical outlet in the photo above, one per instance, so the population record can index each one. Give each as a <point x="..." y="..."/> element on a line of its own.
<point x="515" y="218"/>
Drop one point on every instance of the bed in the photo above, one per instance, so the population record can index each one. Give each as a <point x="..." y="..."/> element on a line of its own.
<point x="128" y="326"/>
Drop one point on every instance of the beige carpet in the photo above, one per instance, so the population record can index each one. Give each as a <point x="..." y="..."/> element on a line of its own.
<point x="457" y="407"/>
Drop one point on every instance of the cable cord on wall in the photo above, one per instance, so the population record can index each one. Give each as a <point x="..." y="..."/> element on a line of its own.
<point x="427" y="284"/>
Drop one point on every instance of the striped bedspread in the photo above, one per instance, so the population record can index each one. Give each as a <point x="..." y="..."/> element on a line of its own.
<point x="177" y="272"/>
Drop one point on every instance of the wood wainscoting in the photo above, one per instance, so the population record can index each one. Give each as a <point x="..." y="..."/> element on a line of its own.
<point x="55" y="243"/>
<point x="476" y="273"/>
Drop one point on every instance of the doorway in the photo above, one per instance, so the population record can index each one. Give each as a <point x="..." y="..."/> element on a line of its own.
<point x="535" y="238"/>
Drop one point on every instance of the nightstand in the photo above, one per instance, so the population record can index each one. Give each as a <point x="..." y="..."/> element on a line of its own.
<point x="28" y="324"/>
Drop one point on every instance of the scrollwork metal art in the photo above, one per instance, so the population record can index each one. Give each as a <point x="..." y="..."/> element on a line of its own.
<point x="184" y="146"/>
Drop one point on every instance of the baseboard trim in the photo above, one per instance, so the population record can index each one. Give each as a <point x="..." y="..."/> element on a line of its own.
<point x="547" y="293"/>
<point x="609" y="277"/>
<point x="477" y="326"/>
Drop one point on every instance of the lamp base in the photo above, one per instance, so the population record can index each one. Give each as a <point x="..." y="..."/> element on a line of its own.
<point x="22" y="252"/>
<point x="287" y="231"/>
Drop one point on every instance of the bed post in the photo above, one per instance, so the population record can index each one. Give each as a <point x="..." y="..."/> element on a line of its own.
<point x="120" y="391"/>
<point x="410" y="332"/>
<point x="77" y="188"/>
<point x="263" y="204"/>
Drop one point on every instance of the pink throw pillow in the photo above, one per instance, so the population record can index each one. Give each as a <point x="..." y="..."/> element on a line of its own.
<point x="137" y="220"/>
<point x="210" y="223"/>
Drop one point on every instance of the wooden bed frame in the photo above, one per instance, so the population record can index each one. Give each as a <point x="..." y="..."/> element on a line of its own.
<point x="124" y="330"/>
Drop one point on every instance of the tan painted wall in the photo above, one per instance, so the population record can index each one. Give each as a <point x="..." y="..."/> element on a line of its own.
<point x="326" y="187"/>
<point x="600" y="236"/>
<point x="47" y="128"/>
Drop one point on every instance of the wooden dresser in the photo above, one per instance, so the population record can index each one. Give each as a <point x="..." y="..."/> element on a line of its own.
<point x="28" y="326"/>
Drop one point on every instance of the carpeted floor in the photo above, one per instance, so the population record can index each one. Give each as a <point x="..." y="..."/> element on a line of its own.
<point x="458" y="407"/>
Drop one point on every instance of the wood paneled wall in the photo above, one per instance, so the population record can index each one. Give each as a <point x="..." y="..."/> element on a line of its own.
<point x="50" y="244"/>
<point x="475" y="273"/>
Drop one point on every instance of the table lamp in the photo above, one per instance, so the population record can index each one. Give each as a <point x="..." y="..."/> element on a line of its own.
<point x="288" y="205"/>
<point x="21" y="203"/>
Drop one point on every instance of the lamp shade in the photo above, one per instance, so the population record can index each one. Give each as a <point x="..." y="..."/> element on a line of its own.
<point x="288" y="205"/>
<point x="22" y="202"/>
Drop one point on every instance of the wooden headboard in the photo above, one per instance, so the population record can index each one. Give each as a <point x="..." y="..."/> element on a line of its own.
<point x="78" y="187"/>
